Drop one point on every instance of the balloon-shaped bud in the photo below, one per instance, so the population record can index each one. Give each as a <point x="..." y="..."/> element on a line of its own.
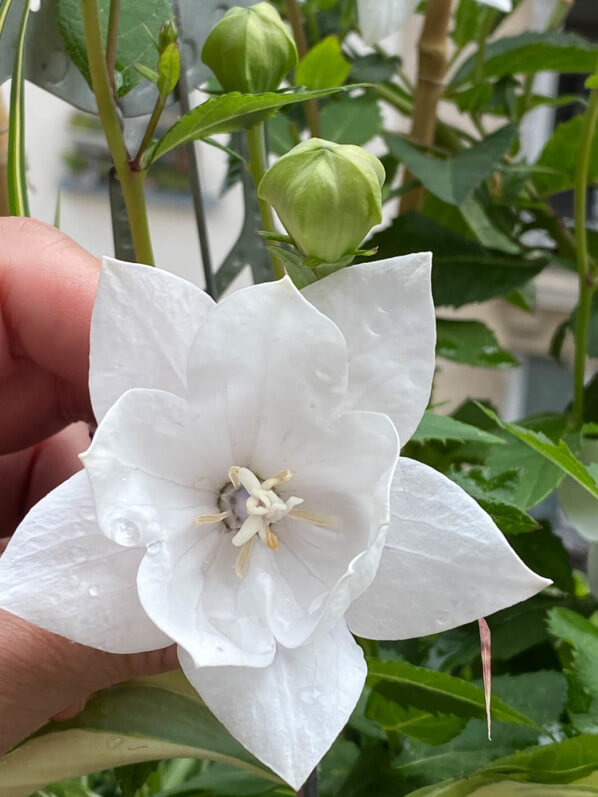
<point x="250" y="49"/>
<point x="327" y="195"/>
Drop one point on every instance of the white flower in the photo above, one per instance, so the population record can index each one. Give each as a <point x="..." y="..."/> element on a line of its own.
<point x="380" y="18"/>
<point x="237" y="495"/>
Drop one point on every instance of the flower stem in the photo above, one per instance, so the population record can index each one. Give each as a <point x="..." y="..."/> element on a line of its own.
<point x="311" y="786"/>
<point x="111" y="41"/>
<point x="295" y="18"/>
<point x="149" y="132"/>
<point x="586" y="277"/>
<point x="429" y="88"/>
<point x="257" y="167"/>
<point x="132" y="182"/>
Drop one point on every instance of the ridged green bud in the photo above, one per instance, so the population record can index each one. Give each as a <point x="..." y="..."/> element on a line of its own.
<point x="250" y="49"/>
<point x="168" y="35"/>
<point x="327" y="195"/>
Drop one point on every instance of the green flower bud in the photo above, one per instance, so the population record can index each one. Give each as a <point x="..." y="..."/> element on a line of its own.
<point x="168" y="35"/>
<point x="327" y="195"/>
<point x="250" y="49"/>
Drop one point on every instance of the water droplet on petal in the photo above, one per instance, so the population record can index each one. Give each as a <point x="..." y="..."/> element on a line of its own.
<point x="154" y="547"/>
<point x="94" y="591"/>
<point x="125" y="532"/>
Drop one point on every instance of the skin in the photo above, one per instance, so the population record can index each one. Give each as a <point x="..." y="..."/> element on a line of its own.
<point x="47" y="289"/>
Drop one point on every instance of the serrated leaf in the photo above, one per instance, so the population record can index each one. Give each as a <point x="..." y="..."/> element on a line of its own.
<point x="558" y="453"/>
<point x="532" y="52"/>
<point x="562" y="762"/>
<point x="463" y="271"/>
<point x="437" y="692"/>
<point x="127" y="724"/>
<point x="374" y="67"/>
<point x="324" y="66"/>
<point x="424" y="726"/>
<point x="541" y="695"/>
<point x="537" y="476"/>
<point x="139" y="26"/>
<point x="454" y="179"/>
<point x="445" y="428"/>
<point x="471" y="343"/>
<point x="227" y="113"/>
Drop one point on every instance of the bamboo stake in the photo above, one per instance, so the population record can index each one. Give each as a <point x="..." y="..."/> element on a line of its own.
<point x="433" y="60"/>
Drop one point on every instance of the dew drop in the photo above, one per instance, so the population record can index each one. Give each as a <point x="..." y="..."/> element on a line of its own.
<point x="125" y="532"/>
<point x="94" y="591"/>
<point x="154" y="547"/>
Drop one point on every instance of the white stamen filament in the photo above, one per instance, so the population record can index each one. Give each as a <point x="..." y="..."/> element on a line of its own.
<point x="264" y="507"/>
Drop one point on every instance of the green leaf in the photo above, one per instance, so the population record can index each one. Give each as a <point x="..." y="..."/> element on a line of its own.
<point x="374" y="67"/>
<point x="463" y="270"/>
<point x="131" y="777"/>
<point x="280" y="140"/>
<point x="225" y="781"/>
<point x="323" y="67"/>
<point x="227" y="113"/>
<point x="471" y="343"/>
<point x="352" y="120"/>
<point x="499" y="787"/>
<point x="558" y="453"/>
<point x="541" y="695"/>
<point x="532" y="52"/>
<point x="559" y="158"/>
<point x="582" y="637"/>
<point x="544" y="553"/>
<point x="18" y="200"/>
<point x="562" y="762"/>
<point x="431" y="728"/>
<point x="454" y="179"/>
<point x="436" y="692"/>
<point x="483" y="487"/>
<point x="445" y="428"/>
<point x="127" y="724"/>
<point x="537" y="476"/>
<point x="139" y="27"/>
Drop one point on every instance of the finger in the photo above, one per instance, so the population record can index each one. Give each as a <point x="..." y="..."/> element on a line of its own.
<point x="47" y="289"/>
<point x="26" y="476"/>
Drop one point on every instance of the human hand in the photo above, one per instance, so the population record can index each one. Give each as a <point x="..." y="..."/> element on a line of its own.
<point x="47" y="289"/>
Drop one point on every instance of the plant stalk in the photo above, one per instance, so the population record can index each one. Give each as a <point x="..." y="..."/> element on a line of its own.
<point x="585" y="275"/>
<point x="111" y="42"/>
<point x="312" y="112"/>
<point x="433" y="46"/>
<point x="149" y="132"/>
<point x="311" y="786"/>
<point x="132" y="182"/>
<point x="257" y="166"/>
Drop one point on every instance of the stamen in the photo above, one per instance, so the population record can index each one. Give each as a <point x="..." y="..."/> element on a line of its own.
<point x="253" y="525"/>
<point x="271" y="539"/>
<point x="281" y="477"/>
<point x="203" y="519"/>
<point x="313" y="517"/>
<point x="243" y="558"/>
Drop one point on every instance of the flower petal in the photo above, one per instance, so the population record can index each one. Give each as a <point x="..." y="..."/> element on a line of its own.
<point x="173" y="580"/>
<point x="61" y="573"/>
<point x="343" y="473"/>
<point x="272" y="362"/>
<point x="445" y="562"/>
<point x="380" y="18"/>
<point x="502" y="5"/>
<point x="154" y="466"/>
<point x="287" y="714"/>
<point x="385" y="311"/>
<point x="143" y="322"/>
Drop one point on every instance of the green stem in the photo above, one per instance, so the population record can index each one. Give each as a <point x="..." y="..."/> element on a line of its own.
<point x="18" y="200"/>
<point x="257" y="167"/>
<point x="132" y="182"/>
<point x="486" y="23"/>
<point x="586" y="278"/>
<point x="149" y="132"/>
<point x="111" y="41"/>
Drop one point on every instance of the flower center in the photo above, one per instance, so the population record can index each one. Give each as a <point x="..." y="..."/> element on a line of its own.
<point x="251" y="507"/>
